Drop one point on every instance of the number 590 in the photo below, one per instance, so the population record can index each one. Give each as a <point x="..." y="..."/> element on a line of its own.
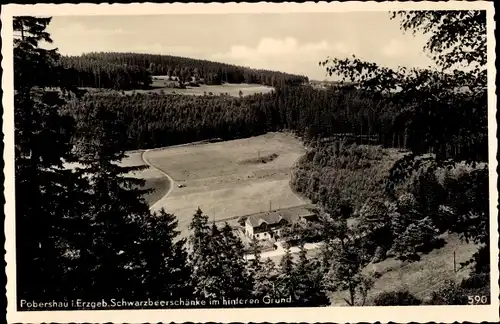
<point x="474" y="300"/>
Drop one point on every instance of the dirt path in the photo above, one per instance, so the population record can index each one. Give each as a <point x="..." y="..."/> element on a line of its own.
<point x="171" y="185"/>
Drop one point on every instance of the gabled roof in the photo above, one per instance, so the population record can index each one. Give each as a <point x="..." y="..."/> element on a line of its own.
<point x="272" y="218"/>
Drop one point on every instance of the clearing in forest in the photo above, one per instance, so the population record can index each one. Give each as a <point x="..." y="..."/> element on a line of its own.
<point x="225" y="179"/>
<point x="232" y="89"/>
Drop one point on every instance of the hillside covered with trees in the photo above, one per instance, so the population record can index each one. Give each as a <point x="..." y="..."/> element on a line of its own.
<point x="438" y="186"/>
<point x="126" y="71"/>
<point x="155" y="120"/>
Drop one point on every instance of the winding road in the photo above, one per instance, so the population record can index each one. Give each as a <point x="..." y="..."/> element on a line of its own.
<point x="171" y="186"/>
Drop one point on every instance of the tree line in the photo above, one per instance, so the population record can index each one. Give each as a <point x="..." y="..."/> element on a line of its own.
<point x="94" y="73"/>
<point x="156" y="120"/>
<point x="343" y="171"/>
<point x="125" y="71"/>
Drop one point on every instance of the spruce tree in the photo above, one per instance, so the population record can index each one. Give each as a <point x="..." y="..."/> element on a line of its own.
<point x="286" y="279"/>
<point x="217" y="260"/>
<point x="48" y="196"/>
<point x="199" y="228"/>
<point x="310" y="288"/>
<point x="301" y="276"/>
<point x="116" y="209"/>
<point x="203" y="257"/>
<point x="265" y="280"/>
<point x="238" y="283"/>
<point x="165" y="272"/>
<point x="255" y="264"/>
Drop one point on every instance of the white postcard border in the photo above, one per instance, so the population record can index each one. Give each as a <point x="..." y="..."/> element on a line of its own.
<point x="323" y="314"/>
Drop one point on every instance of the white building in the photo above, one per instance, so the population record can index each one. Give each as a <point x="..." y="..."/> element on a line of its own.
<point x="269" y="226"/>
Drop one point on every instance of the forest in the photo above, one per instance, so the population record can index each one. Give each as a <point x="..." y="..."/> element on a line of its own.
<point x="89" y="234"/>
<point x="125" y="71"/>
<point x="155" y="120"/>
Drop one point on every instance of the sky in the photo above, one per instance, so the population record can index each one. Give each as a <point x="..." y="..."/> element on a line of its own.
<point x="288" y="42"/>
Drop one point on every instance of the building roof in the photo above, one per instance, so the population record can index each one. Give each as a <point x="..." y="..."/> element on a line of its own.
<point x="274" y="217"/>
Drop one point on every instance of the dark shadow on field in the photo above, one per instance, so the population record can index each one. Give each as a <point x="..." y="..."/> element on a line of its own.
<point x="159" y="186"/>
<point x="436" y="244"/>
<point x="260" y="160"/>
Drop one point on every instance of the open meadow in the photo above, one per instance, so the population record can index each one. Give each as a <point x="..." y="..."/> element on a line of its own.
<point x="226" y="179"/>
<point x="210" y="90"/>
<point x="160" y="85"/>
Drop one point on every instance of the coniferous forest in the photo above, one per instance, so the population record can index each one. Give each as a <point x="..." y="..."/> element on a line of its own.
<point x="156" y="120"/>
<point x="123" y="71"/>
<point x="88" y="233"/>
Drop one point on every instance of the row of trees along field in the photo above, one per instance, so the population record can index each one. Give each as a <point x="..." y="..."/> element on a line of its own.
<point x="131" y="70"/>
<point x="457" y="129"/>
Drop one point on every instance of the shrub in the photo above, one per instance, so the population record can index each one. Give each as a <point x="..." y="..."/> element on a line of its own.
<point x="477" y="285"/>
<point x="396" y="298"/>
<point x="449" y="294"/>
<point x="415" y="238"/>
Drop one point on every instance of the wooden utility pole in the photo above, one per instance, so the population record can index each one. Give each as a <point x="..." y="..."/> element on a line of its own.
<point x="454" y="261"/>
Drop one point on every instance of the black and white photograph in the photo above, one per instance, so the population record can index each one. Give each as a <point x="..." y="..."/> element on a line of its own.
<point x="250" y="162"/>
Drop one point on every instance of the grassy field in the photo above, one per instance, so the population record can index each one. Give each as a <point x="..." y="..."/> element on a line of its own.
<point x="229" y="179"/>
<point x="161" y="86"/>
<point x="225" y="179"/>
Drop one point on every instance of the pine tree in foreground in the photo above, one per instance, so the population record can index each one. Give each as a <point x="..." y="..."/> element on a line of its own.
<point x="286" y="279"/>
<point x="165" y="272"/>
<point x="132" y="253"/>
<point x="234" y="267"/>
<point x="115" y="207"/>
<point x="255" y="265"/>
<point x="217" y="260"/>
<point x="48" y="196"/>
<point x="265" y="280"/>
<point x="310" y="289"/>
